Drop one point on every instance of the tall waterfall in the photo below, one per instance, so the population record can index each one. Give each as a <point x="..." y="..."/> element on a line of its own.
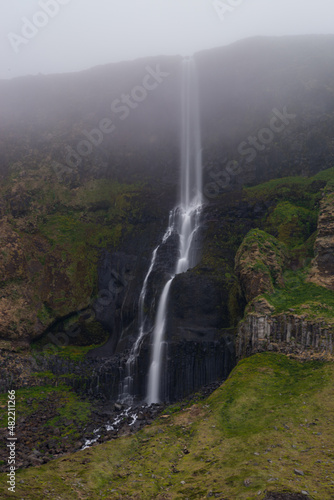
<point x="185" y="217"/>
<point x="183" y="221"/>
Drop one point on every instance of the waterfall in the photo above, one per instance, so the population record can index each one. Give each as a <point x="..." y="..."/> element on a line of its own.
<point x="126" y="389"/>
<point x="184" y="221"/>
<point x="186" y="214"/>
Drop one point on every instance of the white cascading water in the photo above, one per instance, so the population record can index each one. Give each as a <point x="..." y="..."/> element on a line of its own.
<point x="185" y="218"/>
<point x="126" y="390"/>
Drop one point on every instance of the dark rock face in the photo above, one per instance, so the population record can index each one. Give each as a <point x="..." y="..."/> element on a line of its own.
<point x="188" y="366"/>
<point x="196" y="352"/>
<point x="19" y="205"/>
<point x="118" y="292"/>
<point x="194" y="308"/>
<point x="322" y="271"/>
<point x="191" y="365"/>
<point x="289" y="334"/>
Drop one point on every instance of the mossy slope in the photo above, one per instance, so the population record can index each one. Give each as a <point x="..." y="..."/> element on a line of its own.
<point x="53" y="232"/>
<point x="271" y="417"/>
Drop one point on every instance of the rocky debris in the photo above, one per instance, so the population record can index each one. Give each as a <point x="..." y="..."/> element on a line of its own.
<point x="41" y="440"/>
<point x="259" y="263"/>
<point x="18" y="199"/>
<point x="16" y="368"/>
<point x="110" y="424"/>
<point x="262" y="306"/>
<point x="286" y="333"/>
<point x="12" y="255"/>
<point x="322" y="270"/>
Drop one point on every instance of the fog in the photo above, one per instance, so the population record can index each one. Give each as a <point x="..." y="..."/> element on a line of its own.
<point x="56" y="36"/>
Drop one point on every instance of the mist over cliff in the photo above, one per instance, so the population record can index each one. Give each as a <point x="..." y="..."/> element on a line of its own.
<point x="137" y="105"/>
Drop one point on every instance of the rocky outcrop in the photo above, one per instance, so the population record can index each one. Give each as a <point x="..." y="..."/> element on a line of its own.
<point x="191" y="365"/>
<point x="286" y="333"/>
<point x="196" y="352"/>
<point x="293" y="317"/>
<point x="50" y="252"/>
<point x="259" y="263"/>
<point x="17" y="316"/>
<point x="322" y="270"/>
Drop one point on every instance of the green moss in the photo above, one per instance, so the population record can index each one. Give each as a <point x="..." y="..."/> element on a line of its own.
<point x="263" y="241"/>
<point x="65" y="230"/>
<point x="262" y="254"/>
<point x="304" y="253"/>
<point x="299" y="190"/>
<point x="302" y="297"/>
<point x="291" y="224"/>
<point x="33" y="399"/>
<point x="271" y="416"/>
<point x="75" y="353"/>
<point x="45" y="375"/>
<point x="236" y="304"/>
<point x="281" y="383"/>
<point x="72" y="409"/>
<point x="82" y="224"/>
<point x="45" y="314"/>
<point x="326" y="176"/>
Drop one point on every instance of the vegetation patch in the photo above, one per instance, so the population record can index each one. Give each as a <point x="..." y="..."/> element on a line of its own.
<point x="291" y="224"/>
<point x="273" y="416"/>
<point x="302" y="191"/>
<point x="33" y="400"/>
<point x="302" y="297"/>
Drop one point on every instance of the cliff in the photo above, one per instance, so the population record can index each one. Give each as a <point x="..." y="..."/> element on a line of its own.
<point x="78" y="226"/>
<point x="293" y="315"/>
<point x="260" y="261"/>
<point x="322" y="268"/>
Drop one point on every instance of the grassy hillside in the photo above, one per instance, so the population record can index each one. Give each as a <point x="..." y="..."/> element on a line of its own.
<point x="269" y="427"/>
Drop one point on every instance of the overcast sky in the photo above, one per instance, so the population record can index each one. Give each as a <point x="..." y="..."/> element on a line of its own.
<point x="53" y="36"/>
